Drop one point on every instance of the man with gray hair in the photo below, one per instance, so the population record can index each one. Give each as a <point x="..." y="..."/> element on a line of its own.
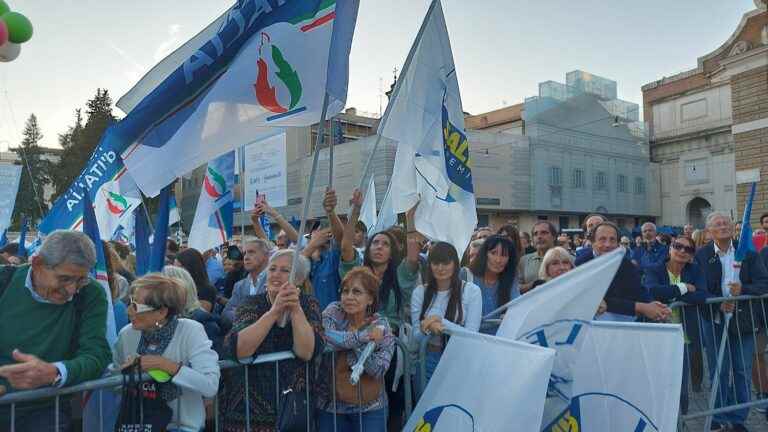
<point x="256" y="254"/>
<point x="727" y="277"/>
<point x="54" y="326"/>
<point x="650" y="253"/>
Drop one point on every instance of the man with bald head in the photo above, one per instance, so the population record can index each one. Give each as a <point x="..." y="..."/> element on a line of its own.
<point x="650" y="253"/>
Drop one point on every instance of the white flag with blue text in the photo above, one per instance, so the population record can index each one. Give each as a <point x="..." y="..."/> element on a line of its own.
<point x="261" y="67"/>
<point x="626" y="377"/>
<point x="425" y="116"/>
<point x="557" y="315"/>
<point x="484" y="383"/>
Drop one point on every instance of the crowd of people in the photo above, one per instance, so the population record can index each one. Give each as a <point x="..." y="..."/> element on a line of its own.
<point x="343" y="295"/>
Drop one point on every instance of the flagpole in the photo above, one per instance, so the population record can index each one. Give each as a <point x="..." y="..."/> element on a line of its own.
<point x="330" y="152"/>
<point x="395" y="92"/>
<point x="146" y="212"/>
<point x="241" y="170"/>
<point x="310" y="187"/>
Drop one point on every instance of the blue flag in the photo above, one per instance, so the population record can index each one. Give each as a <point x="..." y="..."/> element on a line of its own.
<point x="160" y="238"/>
<point x="4" y="238"/>
<point x="22" y="238"/>
<point x="745" y="239"/>
<point x="142" y="242"/>
<point x="99" y="271"/>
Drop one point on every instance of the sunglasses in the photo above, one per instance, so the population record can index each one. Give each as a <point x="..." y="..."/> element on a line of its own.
<point x="140" y="308"/>
<point x="683" y="248"/>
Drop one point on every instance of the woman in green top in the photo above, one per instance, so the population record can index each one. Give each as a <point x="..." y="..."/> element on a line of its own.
<point x="398" y="279"/>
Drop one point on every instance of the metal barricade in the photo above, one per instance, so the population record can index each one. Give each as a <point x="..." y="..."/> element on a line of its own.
<point x="61" y="396"/>
<point x="724" y="369"/>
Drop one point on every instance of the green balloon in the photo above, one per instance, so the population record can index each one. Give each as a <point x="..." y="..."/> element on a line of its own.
<point x="19" y="27"/>
<point x="4" y="8"/>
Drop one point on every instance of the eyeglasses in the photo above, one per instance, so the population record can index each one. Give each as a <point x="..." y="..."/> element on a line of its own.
<point x="140" y="308"/>
<point x="66" y="280"/>
<point x="683" y="248"/>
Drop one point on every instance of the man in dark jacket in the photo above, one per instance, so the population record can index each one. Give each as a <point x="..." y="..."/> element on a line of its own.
<point x="726" y="277"/>
<point x="626" y="298"/>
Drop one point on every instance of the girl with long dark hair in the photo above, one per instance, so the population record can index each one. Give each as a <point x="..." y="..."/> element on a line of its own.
<point x="443" y="301"/>
<point x="493" y="270"/>
<point x="192" y="261"/>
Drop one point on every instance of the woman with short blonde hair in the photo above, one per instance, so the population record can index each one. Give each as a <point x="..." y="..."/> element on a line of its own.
<point x="175" y="348"/>
<point x="552" y="262"/>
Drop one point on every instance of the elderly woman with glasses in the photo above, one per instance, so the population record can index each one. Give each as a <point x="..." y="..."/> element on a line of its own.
<point x="281" y="319"/>
<point x="175" y="350"/>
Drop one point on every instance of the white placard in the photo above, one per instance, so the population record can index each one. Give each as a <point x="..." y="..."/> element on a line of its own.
<point x="266" y="171"/>
<point x="748" y="176"/>
<point x="9" y="186"/>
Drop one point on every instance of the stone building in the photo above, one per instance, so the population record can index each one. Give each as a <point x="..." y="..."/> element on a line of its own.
<point x="710" y="123"/>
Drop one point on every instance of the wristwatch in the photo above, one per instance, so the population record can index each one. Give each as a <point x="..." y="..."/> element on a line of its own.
<point x="57" y="381"/>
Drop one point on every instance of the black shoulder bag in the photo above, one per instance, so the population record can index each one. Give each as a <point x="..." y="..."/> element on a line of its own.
<point x="141" y="408"/>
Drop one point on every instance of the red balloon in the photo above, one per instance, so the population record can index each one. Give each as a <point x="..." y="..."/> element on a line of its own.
<point x="3" y="32"/>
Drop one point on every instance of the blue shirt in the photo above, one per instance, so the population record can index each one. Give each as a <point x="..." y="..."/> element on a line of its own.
<point x="656" y="254"/>
<point x="38" y="298"/>
<point x="215" y="270"/>
<point x="325" y="277"/>
<point x="490" y="300"/>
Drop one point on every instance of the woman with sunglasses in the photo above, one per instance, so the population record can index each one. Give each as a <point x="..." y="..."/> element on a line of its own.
<point x="175" y="351"/>
<point x="680" y="279"/>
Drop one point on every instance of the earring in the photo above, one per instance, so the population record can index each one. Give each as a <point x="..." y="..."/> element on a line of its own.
<point x="157" y="324"/>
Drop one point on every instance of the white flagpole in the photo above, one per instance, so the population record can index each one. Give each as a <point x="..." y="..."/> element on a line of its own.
<point x="307" y="197"/>
<point x="241" y="170"/>
<point x="330" y="153"/>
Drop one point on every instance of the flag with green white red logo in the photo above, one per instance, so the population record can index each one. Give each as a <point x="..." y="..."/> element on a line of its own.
<point x="113" y="208"/>
<point x="259" y="68"/>
<point x="212" y="225"/>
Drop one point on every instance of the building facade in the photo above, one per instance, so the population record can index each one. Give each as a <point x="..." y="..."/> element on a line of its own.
<point x="711" y="122"/>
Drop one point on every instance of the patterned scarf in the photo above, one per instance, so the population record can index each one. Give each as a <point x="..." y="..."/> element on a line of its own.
<point x="154" y="342"/>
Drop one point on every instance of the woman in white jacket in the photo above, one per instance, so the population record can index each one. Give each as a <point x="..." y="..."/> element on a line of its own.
<point x="175" y="346"/>
<point x="444" y="301"/>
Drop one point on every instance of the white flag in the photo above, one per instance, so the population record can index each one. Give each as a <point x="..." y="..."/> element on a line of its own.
<point x="425" y="117"/>
<point x="114" y="205"/>
<point x="173" y="215"/>
<point x="213" y="216"/>
<point x="484" y="383"/>
<point x="626" y="377"/>
<point x="292" y="55"/>
<point x="368" y="211"/>
<point x="387" y="216"/>
<point x="572" y="296"/>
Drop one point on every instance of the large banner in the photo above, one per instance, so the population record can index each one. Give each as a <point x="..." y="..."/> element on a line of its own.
<point x="9" y="187"/>
<point x="266" y="172"/>
<point x="484" y="383"/>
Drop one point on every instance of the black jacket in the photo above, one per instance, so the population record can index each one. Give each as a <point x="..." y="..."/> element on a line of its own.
<point x="625" y="289"/>
<point x="754" y="281"/>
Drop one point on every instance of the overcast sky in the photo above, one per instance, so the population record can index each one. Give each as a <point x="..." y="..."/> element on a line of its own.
<point x="502" y="48"/>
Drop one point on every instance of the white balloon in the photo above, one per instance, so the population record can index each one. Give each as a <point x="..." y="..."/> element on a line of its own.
<point x="9" y="51"/>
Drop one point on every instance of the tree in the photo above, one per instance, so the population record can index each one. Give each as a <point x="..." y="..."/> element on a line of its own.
<point x="79" y="142"/>
<point x="35" y="174"/>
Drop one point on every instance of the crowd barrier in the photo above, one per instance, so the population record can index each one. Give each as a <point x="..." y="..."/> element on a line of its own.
<point x="724" y="370"/>
<point x="718" y="378"/>
<point x="697" y="405"/>
<point x="61" y="395"/>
